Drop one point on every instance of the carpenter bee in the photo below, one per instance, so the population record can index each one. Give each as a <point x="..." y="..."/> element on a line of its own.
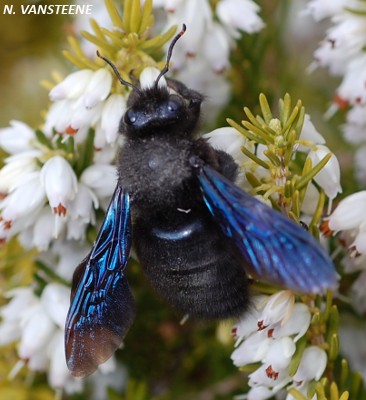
<point x="196" y="234"/>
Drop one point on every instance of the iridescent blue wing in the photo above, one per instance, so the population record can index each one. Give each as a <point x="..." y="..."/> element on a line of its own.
<point x="102" y="306"/>
<point x="274" y="247"/>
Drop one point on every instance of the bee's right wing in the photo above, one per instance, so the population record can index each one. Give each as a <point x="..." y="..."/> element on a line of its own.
<point x="273" y="247"/>
<point x="102" y="306"/>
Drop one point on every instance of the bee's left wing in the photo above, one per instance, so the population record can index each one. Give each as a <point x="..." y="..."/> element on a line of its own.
<point x="102" y="306"/>
<point x="274" y="247"/>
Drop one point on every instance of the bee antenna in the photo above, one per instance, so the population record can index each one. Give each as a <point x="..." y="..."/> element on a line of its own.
<point x="116" y="72"/>
<point x="169" y="55"/>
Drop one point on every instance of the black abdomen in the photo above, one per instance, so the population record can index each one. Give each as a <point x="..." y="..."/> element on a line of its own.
<point x="193" y="265"/>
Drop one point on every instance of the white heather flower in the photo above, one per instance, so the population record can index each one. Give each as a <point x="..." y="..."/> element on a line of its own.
<point x="82" y="101"/>
<point x="217" y="47"/>
<point x="310" y="133"/>
<point x="297" y="324"/>
<point x="37" y="329"/>
<point x="113" y="110"/>
<point x="101" y="178"/>
<point x="349" y="213"/>
<point x="229" y="140"/>
<point x="82" y="208"/>
<point x="11" y="313"/>
<point x="65" y="255"/>
<point x="98" y="88"/>
<point x="358" y="295"/>
<point x="197" y="15"/>
<point x="25" y="200"/>
<point x="277" y="308"/>
<point x="343" y="43"/>
<point x="268" y="335"/>
<point x="259" y="393"/>
<point x="349" y="216"/>
<point x="329" y="177"/>
<point x="239" y="15"/>
<point x="273" y="372"/>
<point x="352" y="87"/>
<point x="311" y="367"/>
<point x="58" y="117"/>
<point x="320" y="9"/>
<point x="360" y="164"/>
<point x="55" y="300"/>
<point x="60" y="183"/>
<point x="353" y="342"/>
<point x="42" y="232"/>
<point x="16" y="138"/>
<point x="73" y="86"/>
<point x="38" y="324"/>
<point x="85" y="116"/>
<point x="312" y="364"/>
<point x="342" y="52"/>
<point x="311" y="199"/>
<point x="16" y="168"/>
<point x="354" y="131"/>
<point x="110" y="375"/>
<point x="148" y="78"/>
<point x="251" y="350"/>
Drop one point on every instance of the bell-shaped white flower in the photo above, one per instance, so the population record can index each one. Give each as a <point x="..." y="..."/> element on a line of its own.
<point x="259" y="393"/>
<point x="352" y="87"/>
<point x="12" y="313"/>
<point x="197" y="15"/>
<point x="148" y="78"/>
<point x="310" y="133"/>
<point x="26" y="199"/>
<point x="251" y="350"/>
<point x="329" y="177"/>
<point x="321" y="9"/>
<point x="246" y="325"/>
<point x="349" y="213"/>
<point x="280" y="353"/>
<point x="217" y="44"/>
<point x="60" y="183"/>
<point x="58" y="117"/>
<point x="229" y="140"/>
<point x="98" y="88"/>
<point x="312" y="364"/>
<point x="37" y="329"/>
<point x="278" y="308"/>
<point x="55" y="299"/>
<point x="113" y="110"/>
<point x="85" y="116"/>
<point x="73" y="86"/>
<point x="17" y="137"/>
<point x="16" y="168"/>
<point x="44" y="230"/>
<point x="66" y="255"/>
<point x="83" y="205"/>
<point x="240" y="15"/>
<point x="297" y="324"/>
<point x="100" y="178"/>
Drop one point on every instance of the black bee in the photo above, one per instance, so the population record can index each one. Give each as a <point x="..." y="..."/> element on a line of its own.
<point x="196" y="234"/>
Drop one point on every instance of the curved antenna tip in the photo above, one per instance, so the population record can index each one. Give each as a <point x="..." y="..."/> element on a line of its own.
<point x="170" y="52"/>
<point x="116" y="72"/>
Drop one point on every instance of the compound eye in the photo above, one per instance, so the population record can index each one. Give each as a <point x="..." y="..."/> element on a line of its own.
<point x="174" y="103"/>
<point x="130" y="117"/>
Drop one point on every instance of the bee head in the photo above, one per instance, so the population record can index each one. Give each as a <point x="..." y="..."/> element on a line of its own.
<point x="161" y="107"/>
